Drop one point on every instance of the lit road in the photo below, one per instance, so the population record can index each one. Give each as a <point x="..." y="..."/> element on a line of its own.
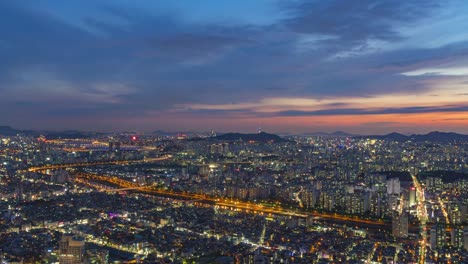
<point x="121" y="185"/>
<point x="97" y="163"/>
<point x="422" y="216"/>
<point x="371" y="255"/>
<point x="444" y="211"/>
<point x="222" y="202"/>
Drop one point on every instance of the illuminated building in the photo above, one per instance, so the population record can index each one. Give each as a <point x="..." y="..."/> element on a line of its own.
<point x="457" y="237"/>
<point x="219" y="148"/>
<point x="400" y="224"/>
<point x="465" y="238"/>
<point x="438" y="236"/>
<point x="412" y="196"/>
<point x="393" y="186"/>
<point x="71" y="250"/>
<point x="114" y="145"/>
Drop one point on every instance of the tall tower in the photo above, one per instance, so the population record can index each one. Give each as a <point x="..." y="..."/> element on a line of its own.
<point x="71" y="250"/>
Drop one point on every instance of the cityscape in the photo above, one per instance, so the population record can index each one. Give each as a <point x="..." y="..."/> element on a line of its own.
<point x="233" y="132"/>
<point x="234" y="198"/>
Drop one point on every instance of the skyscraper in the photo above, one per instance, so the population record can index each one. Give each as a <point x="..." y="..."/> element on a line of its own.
<point x="71" y="250"/>
<point x="412" y="196"/>
<point x="438" y="235"/>
<point x="400" y="224"/>
<point x="393" y="186"/>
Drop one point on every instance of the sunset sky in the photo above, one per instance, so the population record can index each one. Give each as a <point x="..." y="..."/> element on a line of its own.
<point x="367" y="67"/>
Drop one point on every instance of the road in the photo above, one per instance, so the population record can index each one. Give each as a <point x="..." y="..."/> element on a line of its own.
<point x="444" y="211"/>
<point x="226" y="203"/>
<point x="422" y="216"/>
<point x="97" y="163"/>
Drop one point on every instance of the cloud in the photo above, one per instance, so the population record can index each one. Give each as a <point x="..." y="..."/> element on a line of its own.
<point x="189" y="48"/>
<point x="411" y="58"/>
<point x="355" y="23"/>
<point x="452" y="71"/>
<point x="383" y="123"/>
<point x="308" y="58"/>
<point x="455" y="119"/>
<point x="382" y="111"/>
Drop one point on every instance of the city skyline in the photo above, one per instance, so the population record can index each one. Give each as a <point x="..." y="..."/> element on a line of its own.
<point x="242" y="132"/>
<point x="372" y="68"/>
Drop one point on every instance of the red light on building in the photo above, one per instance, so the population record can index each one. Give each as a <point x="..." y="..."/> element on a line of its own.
<point x="134" y="138"/>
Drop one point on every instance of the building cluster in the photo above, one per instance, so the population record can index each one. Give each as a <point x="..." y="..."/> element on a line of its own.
<point x="357" y="200"/>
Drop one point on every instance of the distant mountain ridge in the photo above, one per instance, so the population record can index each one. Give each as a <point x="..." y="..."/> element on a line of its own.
<point x="333" y="134"/>
<point x="70" y="134"/>
<point x="434" y="136"/>
<point x="9" y="131"/>
<point x="260" y="137"/>
<point x="392" y="136"/>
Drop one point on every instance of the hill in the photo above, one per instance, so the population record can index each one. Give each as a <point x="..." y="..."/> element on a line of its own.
<point x="441" y="137"/>
<point x="71" y="134"/>
<point x="259" y="137"/>
<point x="335" y="134"/>
<point x="8" y="131"/>
<point x="394" y="137"/>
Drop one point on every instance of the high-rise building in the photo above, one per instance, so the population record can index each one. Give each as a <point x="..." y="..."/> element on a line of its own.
<point x="412" y="196"/>
<point x="111" y="145"/>
<point x="394" y="202"/>
<point x="114" y="145"/>
<point x="393" y="186"/>
<point x="438" y="235"/>
<point x="465" y="238"/>
<point x="43" y="146"/>
<point x="457" y="237"/>
<point x="71" y="249"/>
<point x="378" y="204"/>
<point x="221" y="148"/>
<point x="117" y="145"/>
<point x="400" y="224"/>
<point x="433" y="236"/>
<point x="357" y="202"/>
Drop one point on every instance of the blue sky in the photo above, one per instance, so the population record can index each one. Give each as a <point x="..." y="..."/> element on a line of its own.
<point x="293" y="66"/>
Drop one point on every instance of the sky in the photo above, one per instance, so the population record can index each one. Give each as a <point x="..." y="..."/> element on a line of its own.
<point x="366" y="67"/>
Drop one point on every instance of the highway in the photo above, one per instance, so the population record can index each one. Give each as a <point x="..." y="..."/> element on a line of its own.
<point x="121" y="185"/>
<point x="96" y="163"/>
<point x="222" y="202"/>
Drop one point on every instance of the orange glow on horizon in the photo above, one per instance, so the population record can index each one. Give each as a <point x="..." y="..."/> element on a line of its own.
<point x="449" y="120"/>
<point x="360" y="124"/>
